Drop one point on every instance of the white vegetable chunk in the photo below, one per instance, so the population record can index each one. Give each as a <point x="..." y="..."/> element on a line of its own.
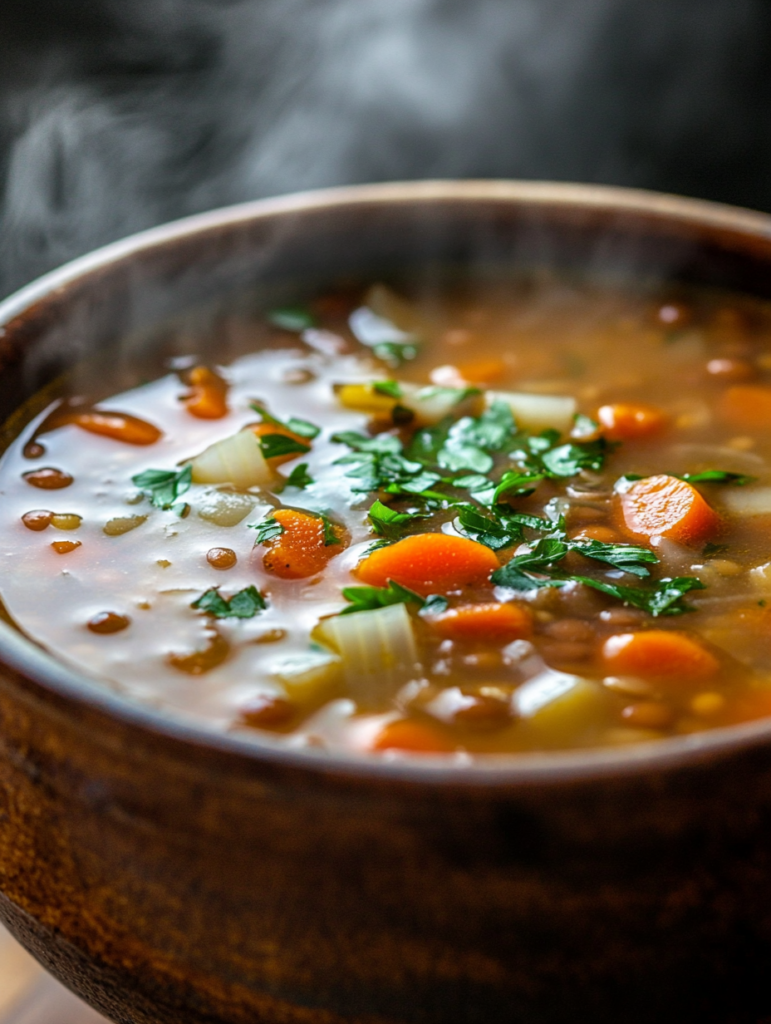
<point x="538" y="412"/>
<point x="555" y="707"/>
<point x="225" y="508"/>
<point x="431" y="404"/>
<point x="378" y="651"/>
<point x="236" y="460"/>
<point x="308" y="676"/>
<point x="748" y="501"/>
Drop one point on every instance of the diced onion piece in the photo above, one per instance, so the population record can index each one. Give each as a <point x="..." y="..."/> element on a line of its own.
<point x="431" y="404"/>
<point x="237" y="460"/>
<point x="392" y="307"/>
<point x="538" y="412"/>
<point x="309" y="676"/>
<point x="225" y="508"/>
<point x="378" y="651"/>
<point x="760" y="577"/>
<point x="752" y="501"/>
<point x="556" y="707"/>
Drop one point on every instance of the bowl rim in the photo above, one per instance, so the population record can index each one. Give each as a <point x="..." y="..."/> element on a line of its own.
<point x="509" y="771"/>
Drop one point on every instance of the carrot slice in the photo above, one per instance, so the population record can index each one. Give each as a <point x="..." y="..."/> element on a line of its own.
<point x="262" y="429"/>
<point x="493" y="622"/>
<point x="118" y="425"/>
<point x="627" y="422"/>
<point x="300" y="551"/>
<point x="746" y="406"/>
<point x="660" y="655"/>
<point x="663" y="506"/>
<point x="597" y="531"/>
<point x="429" y="563"/>
<point x="208" y="397"/>
<point x="415" y="737"/>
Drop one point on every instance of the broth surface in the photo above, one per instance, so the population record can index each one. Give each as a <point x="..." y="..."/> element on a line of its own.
<point x="543" y="510"/>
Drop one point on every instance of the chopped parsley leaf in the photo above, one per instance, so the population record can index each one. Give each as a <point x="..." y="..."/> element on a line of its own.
<point x="364" y="599"/>
<point x="666" y="597"/>
<point x="164" y="486"/>
<point x="243" y="605"/>
<point x="274" y="445"/>
<point x="717" y="476"/>
<point x="516" y="484"/>
<point x="389" y="388"/>
<point x="301" y="427"/>
<point x="395" y="352"/>
<point x="292" y="318"/>
<point x="268" y="529"/>
<point x="388" y="523"/>
<point x="330" y="537"/>
<point x="299" y="477"/>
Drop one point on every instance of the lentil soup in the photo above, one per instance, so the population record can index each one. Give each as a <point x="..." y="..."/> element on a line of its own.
<point x="516" y="517"/>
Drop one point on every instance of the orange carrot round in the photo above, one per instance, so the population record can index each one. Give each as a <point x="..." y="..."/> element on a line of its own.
<point x="663" y="506"/>
<point x="300" y="551"/>
<point x="415" y="737"/>
<point x="118" y="425"/>
<point x="625" y="421"/>
<point x="429" y="563"/>
<point x="606" y="534"/>
<point x="658" y="654"/>
<point x="746" y="406"/>
<point x="492" y="622"/>
<point x="208" y="398"/>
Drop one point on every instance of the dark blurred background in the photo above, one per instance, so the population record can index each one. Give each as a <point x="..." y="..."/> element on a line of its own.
<point x="119" y="114"/>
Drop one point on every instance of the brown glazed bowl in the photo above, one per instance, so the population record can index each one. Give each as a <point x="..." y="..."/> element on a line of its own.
<point x="167" y="874"/>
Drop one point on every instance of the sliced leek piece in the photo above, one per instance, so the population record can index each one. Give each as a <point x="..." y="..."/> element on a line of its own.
<point x="236" y="460"/>
<point x="310" y="676"/>
<point x="378" y="651"/>
<point x="537" y="412"/>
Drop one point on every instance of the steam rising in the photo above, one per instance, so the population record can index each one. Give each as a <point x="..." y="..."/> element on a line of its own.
<point x="125" y="115"/>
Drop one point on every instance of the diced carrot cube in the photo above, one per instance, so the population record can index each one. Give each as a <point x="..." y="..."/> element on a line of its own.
<point x="415" y="737"/>
<point x="300" y="551"/>
<point x="625" y="421"/>
<point x="746" y="406"/>
<point x="208" y="398"/>
<point x="484" y="622"/>
<point x="120" y="426"/>
<point x="429" y="563"/>
<point x="605" y="534"/>
<point x="663" y="506"/>
<point x="658" y="654"/>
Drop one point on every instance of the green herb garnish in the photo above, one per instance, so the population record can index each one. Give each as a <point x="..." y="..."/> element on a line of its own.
<point x="301" y="427"/>
<point x="243" y="605"/>
<point x="268" y="529"/>
<point x="164" y="486"/>
<point x="292" y="318"/>
<point x="364" y="599"/>
<point x="666" y="597"/>
<point x="389" y="388"/>
<point x="386" y="522"/>
<point x="273" y="445"/>
<point x="299" y="477"/>
<point x="717" y="476"/>
<point x="395" y="353"/>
